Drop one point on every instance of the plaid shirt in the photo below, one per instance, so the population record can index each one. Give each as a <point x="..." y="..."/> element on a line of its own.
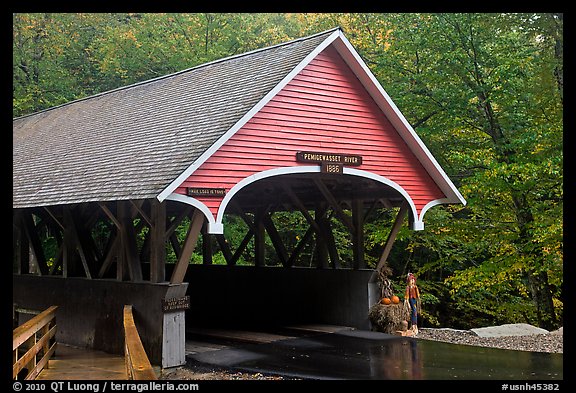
<point x="412" y="292"/>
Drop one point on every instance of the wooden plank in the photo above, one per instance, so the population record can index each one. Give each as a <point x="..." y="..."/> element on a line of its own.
<point x="110" y="215"/>
<point x="30" y="327"/>
<point x="173" y="339"/>
<point x="334" y="204"/>
<point x="86" y="248"/>
<point x="157" y="243"/>
<point x="30" y="354"/>
<point x="242" y="247"/>
<point x="260" y="237"/>
<point x="300" y="205"/>
<point x="110" y="252"/>
<point x="225" y="248"/>
<point x="188" y="248"/>
<point x="392" y="235"/>
<point x="81" y="364"/>
<point x="128" y="242"/>
<point x="53" y="217"/>
<point x="358" y="234"/>
<point x="300" y="246"/>
<point x="330" y="240"/>
<point x="184" y="212"/>
<point x="138" y="364"/>
<point x="275" y="238"/>
<point x="42" y="364"/>
<point x="321" y="236"/>
<point x="23" y="249"/>
<point x="175" y="245"/>
<point x="138" y="206"/>
<point x="207" y="252"/>
<point x="35" y="243"/>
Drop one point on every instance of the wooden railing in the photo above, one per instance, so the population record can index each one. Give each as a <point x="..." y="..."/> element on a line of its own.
<point x="138" y="366"/>
<point x="31" y="340"/>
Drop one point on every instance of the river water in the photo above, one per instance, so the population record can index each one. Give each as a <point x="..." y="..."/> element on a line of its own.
<point x="357" y="354"/>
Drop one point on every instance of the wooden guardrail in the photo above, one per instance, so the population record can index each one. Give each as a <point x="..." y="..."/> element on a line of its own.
<point x="31" y="340"/>
<point x="138" y="366"/>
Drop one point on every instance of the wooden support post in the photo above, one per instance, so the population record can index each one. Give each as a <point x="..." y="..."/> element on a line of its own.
<point x="358" y="234"/>
<point x="23" y="245"/>
<point x="175" y="245"/>
<point x="334" y="204"/>
<point x="300" y="246"/>
<point x="225" y="248"/>
<point x="69" y="246"/>
<point x="111" y="252"/>
<point x="276" y="239"/>
<point x="207" y="252"/>
<point x="242" y="247"/>
<point x="157" y="241"/>
<point x="324" y="223"/>
<point x="188" y="248"/>
<point x="185" y="212"/>
<point x="321" y="236"/>
<point x="35" y="243"/>
<point x="128" y="237"/>
<point x="86" y="249"/>
<point x="392" y="235"/>
<point x="298" y="203"/>
<point x="259" y="238"/>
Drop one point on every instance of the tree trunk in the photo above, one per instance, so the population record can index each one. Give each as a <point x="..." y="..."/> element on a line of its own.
<point x="537" y="278"/>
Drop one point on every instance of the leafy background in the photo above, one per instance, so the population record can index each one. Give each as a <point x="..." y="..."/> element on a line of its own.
<point x="484" y="91"/>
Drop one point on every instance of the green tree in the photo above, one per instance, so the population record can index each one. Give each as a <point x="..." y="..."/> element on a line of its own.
<point x="484" y="91"/>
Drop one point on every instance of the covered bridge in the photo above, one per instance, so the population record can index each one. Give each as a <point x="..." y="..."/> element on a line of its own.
<point x="301" y="126"/>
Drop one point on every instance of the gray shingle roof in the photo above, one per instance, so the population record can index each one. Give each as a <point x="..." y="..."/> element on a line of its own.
<point x="130" y="143"/>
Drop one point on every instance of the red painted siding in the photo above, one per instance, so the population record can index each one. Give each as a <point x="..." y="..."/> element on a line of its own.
<point x="324" y="108"/>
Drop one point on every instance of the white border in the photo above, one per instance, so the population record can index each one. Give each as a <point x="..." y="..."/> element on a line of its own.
<point x="216" y="227"/>
<point x="383" y="100"/>
<point x="224" y="138"/>
<point x="213" y="227"/>
<point x="375" y="89"/>
<point x="416" y="225"/>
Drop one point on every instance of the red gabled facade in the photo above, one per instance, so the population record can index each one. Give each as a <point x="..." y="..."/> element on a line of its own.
<point x="323" y="108"/>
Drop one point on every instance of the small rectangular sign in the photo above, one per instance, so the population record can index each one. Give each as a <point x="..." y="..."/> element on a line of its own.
<point x="336" y="169"/>
<point x="206" y="192"/>
<point x="176" y="304"/>
<point x="333" y="158"/>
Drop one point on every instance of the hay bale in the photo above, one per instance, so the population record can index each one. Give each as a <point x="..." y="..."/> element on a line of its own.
<point x="388" y="318"/>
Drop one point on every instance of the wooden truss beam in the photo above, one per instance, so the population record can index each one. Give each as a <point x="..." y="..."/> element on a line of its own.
<point x="334" y="204"/>
<point x="34" y="241"/>
<point x="392" y="235"/>
<point x="188" y="248"/>
<point x="157" y="240"/>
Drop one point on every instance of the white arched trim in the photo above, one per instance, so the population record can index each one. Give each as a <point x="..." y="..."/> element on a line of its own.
<point x="213" y="227"/>
<point x="416" y="225"/>
<point x="432" y="204"/>
<point x="259" y="176"/>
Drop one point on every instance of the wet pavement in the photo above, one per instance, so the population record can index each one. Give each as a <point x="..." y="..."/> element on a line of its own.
<point x="358" y="354"/>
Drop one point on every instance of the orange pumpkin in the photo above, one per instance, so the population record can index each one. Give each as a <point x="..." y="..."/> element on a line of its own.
<point x="385" y="300"/>
<point x="395" y="299"/>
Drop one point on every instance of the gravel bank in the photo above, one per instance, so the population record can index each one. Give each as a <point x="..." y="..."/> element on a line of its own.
<point x="551" y="342"/>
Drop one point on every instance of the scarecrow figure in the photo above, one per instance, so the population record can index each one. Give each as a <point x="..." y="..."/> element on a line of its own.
<point x="412" y="300"/>
<point x="385" y="283"/>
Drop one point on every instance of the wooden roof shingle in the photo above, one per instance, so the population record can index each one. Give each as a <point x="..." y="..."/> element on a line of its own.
<point x="130" y="143"/>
